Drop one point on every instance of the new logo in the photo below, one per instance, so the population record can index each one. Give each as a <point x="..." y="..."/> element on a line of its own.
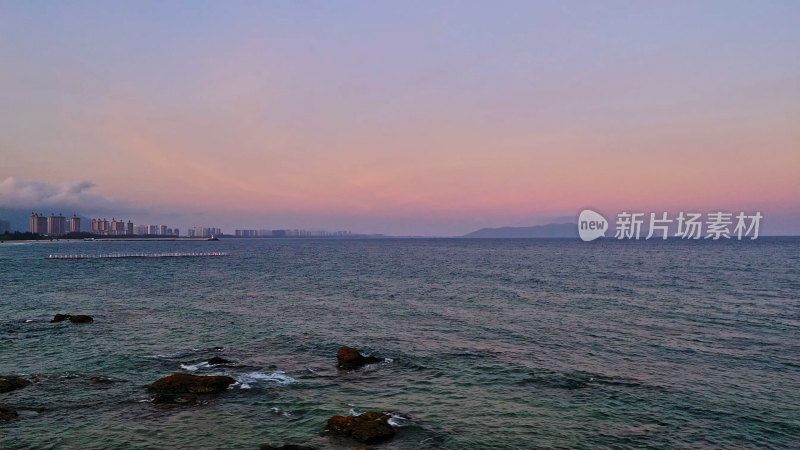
<point x="591" y="225"/>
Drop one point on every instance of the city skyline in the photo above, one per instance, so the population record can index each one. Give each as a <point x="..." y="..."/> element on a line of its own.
<point x="60" y="225"/>
<point x="404" y="119"/>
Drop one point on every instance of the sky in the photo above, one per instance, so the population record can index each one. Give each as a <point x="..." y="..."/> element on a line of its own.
<point x="404" y="118"/>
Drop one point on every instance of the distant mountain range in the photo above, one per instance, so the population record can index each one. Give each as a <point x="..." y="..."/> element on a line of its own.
<point x="553" y="230"/>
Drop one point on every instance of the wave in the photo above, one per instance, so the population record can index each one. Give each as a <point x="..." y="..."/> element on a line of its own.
<point x="173" y="355"/>
<point x="195" y="367"/>
<point x="281" y="412"/>
<point x="396" y="420"/>
<point x="278" y="377"/>
<point x="576" y="380"/>
<point x="399" y="420"/>
<point x="186" y="353"/>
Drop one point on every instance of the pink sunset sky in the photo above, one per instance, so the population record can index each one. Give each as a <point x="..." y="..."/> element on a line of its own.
<point x="408" y="118"/>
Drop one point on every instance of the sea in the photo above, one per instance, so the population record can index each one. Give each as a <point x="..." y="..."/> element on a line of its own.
<point x="484" y="343"/>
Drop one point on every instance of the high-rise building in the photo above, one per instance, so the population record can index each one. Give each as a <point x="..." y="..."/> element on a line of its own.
<point x="162" y="230"/>
<point x="177" y="232"/>
<point x="204" y="231"/>
<point x="152" y="229"/>
<point x="129" y="228"/>
<point x="117" y="227"/>
<point x="75" y="224"/>
<point x="101" y="226"/>
<point x="38" y="223"/>
<point x="56" y="225"/>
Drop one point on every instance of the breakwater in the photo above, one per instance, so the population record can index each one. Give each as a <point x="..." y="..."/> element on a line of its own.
<point x="136" y="255"/>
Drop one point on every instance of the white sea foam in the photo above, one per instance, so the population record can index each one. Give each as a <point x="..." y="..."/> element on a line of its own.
<point x="281" y="412"/>
<point x="395" y="420"/>
<point x="279" y="377"/>
<point x="194" y="367"/>
<point x="398" y="420"/>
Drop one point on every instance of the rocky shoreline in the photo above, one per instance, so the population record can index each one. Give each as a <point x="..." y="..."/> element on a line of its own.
<point x="182" y="389"/>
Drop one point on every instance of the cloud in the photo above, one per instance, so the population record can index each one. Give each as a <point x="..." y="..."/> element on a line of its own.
<point x="32" y="194"/>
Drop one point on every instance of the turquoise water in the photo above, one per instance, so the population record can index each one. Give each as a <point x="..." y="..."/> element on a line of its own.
<point x="489" y="343"/>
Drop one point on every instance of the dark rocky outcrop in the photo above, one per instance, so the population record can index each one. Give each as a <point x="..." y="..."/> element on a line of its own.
<point x="370" y="428"/>
<point x="185" y="387"/>
<point x="186" y="383"/>
<point x="218" y="361"/>
<point x="8" y="413"/>
<point x="349" y="358"/>
<point x="81" y="318"/>
<point x="77" y="318"/>
<point x="12" y="383"/>
<point x="286" y="447"/>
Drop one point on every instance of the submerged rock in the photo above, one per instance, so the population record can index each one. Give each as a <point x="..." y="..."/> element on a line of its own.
<point x="217" y="361"/>
<point x="60" y="318"/>
<point x="350" y="358"/>
<point x="176" y="399"/>
<point x="370" y="428"/>
<point x="101" y="379"/>
<point x="8" y="413"/>
<point x="12" y="383"/>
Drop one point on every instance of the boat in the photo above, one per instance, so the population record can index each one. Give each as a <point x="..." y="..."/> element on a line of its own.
<point x="213" y="238"/>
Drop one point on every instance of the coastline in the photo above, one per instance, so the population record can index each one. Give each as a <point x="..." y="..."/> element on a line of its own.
<point x="44" y="241"/>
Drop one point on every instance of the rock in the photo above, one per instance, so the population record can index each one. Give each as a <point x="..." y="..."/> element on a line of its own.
<point x="350" y="358"/>
<point x="8" y="413"/>
<point x="186" y="383"/>
<point x="370" y="428"/>
<point x="217" y="360"/>
<point x="78" y="318"/>
<point x="81" y="318"/>
<point x="286" y="447"/>
<point x="184" y="387"/>
<point x="11" y="383"/>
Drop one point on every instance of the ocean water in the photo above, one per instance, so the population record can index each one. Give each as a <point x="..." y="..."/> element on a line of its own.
<point x="487" y="343"/>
